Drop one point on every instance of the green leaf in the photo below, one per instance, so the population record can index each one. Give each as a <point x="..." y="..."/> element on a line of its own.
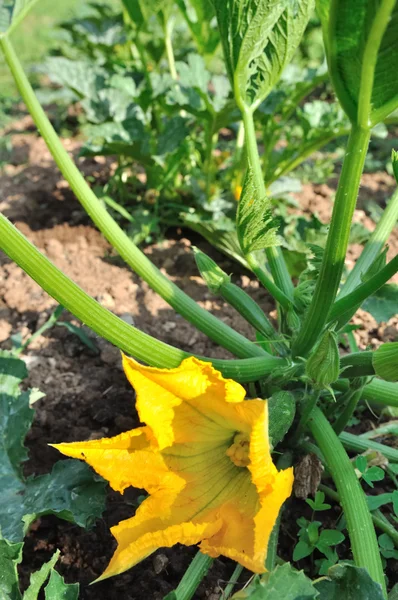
<point x="301" y="550"/>
<point x="283" y="583"/>
<point x="350" y="583"/>
<point x="72" y="492"/>
<point x="12" y="12"/>
<point x="256" y="227"/>
<point x="361" y="463"/>
<point x="259" y="38"/>
<point x="385" y="361"/>
<point x="57" y="589"/>
<point x="140" y="11"/>
<point x="331" y="537"/>
<point x="318" y="503"/>
<point x="38" y="578"/>
<point x="375" y="502"/>
<point x="383" y="304"/>
<point x="10" y="557"/>
<point x="173" y="134"/>
<point x="362" y="48"/>
<point x="199" y="15"/>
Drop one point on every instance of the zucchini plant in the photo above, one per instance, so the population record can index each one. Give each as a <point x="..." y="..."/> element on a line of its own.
<point x="295" y="367"/>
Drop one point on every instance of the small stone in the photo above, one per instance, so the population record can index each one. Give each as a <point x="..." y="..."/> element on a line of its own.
<point x="160" y="562"/>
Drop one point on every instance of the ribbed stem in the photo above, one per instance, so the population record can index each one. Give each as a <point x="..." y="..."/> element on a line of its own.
<point x="274" y="255"/>
<point x="106" y="324"/>
<point x="378" y="391"/>
<point x="357" y="364"/>
<point x="275" y="291"/>
<point x="337" y="242"/>
<point x="360" y="528"/>
<point x="204" y="321"/>
<point x="373" y="247"/>
<point x="344" y="308"/>
<point x="357" y="444"/>
<point x="193" y="576"/>
<point x="348" y="411"/>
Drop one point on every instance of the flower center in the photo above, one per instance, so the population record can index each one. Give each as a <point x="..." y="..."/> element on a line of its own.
<point x="239" y="451"/>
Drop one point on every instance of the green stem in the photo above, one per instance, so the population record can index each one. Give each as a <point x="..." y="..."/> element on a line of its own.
<point x="357" y="364"/>
<point x="232" y="582"/>
<point x="378" y="391"/>
<point x="373" y="247"/>
<point x="51" y="321"/>
<point x="305" y="151"/>
<point x="348" y="411"/>
<point x="275" y="291"/>
<point x="337" y="242"/>
<point x="168" y="29"/>
<point x="106" y="324"/>
<point x="377" y="517"/>
<point x="188" y="308"/>
<point x="211" y="141"/>
<point x="345" y="307"/>
<point x="274" y="255"/>
<point x="391" y="427"/>
<point x="309" y="406"/>
<point x="360" y="528"/>
<point x="193" y="576"/>
<point x="355" y="443"/>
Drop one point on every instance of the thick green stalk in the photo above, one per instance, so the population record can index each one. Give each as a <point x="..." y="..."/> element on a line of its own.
<point x="337" y="242"/>
<point x="378" y="391"/>
<point x="373" y="247"/>
<point x="188" y="308"/>
<point x="360" y="528"/>
<point x="168" y="30"/>
<point x="309" y="402"/>
<point x="274" y="255"/>
<point x="377" y="517"/>
<point x="357" y="444"/>
<point x="345" y="307"/>
<point x="106" y="324"/>
<point x="357" y="364"/>
<point x="193" y="576"/>
<point x="275" y="291"/>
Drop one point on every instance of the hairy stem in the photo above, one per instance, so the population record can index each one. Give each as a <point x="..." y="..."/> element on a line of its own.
<point x="274" y="255"/>
<point x="360" y="527"/>
<point x="337" y="242"/>
<point x="373" y="247"/>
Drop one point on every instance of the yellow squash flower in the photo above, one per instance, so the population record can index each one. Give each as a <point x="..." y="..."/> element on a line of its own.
<point x="203" y="457"/>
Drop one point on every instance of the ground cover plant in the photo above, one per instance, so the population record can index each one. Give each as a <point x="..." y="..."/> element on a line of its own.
<point x="217" y="467"/>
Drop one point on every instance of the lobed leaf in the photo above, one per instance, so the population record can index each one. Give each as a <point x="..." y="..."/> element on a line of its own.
<point x="362" y="49"/>
<point x="382" y="305"/>
<point x="71" y="491"/>
<point x="283" y="583"/>
<point x="10" y="557"/>
<point x="350" y="583"/>
<point x="259" y="38"/>
<point x="255" y="224"/>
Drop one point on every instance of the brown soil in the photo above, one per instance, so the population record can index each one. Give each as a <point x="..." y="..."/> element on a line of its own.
<point x="87" y="394"/>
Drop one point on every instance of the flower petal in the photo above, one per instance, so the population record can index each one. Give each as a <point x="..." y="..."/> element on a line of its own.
<point x="136" y="543"/>
<point x="176" y="402"/>
<point x="127" y="460"/>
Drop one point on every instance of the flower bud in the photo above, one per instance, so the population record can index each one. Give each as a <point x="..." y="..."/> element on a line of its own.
<point x="323" y="366"/>
<point x="213" y="276"/>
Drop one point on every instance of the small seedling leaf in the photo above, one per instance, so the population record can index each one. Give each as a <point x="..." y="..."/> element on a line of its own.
<point x="331" y="537"/>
